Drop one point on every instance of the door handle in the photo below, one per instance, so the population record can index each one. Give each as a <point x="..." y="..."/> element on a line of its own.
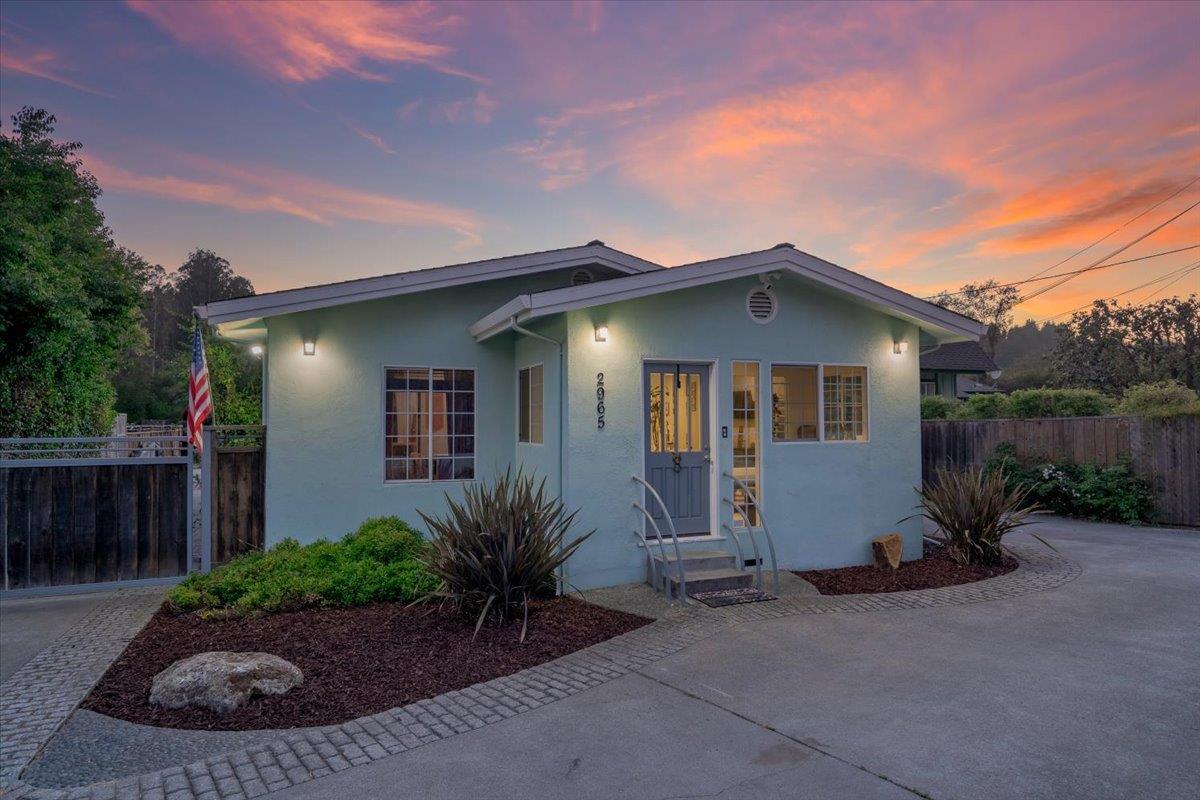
<point x="676" y="462"/>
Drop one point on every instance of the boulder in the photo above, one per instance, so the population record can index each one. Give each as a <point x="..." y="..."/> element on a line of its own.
<point x="887" y="550"/>
<point x="222" y="681"/>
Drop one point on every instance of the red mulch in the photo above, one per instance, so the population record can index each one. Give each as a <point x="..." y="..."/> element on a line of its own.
<point x="933" y="570"/>
<point x="356" y="661"/>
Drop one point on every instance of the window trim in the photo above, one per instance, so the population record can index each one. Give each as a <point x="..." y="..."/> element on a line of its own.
<point x="383" y="412"/>
<point x="517" y="389"/>
<point x="821" y="403"/>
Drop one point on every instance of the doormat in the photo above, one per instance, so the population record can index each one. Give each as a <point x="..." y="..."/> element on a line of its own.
<point x="731" y="597"/>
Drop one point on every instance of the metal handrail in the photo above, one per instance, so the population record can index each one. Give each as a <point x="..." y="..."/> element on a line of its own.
<point x="733" y="534"/>
<point x="738" y="484"/>
<point x="662" y="549"/>
<point x="674" y="536"/>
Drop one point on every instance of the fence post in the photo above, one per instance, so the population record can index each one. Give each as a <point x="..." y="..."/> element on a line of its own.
<point x="206" y="494"/>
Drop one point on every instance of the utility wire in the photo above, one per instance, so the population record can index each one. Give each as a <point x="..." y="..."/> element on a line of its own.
<point x="1076" y="272"/>
<point x="1169" y="284"/>
<point x="1099" y="262"/>
<point x="1172" y="275"/>
<point x="1178" y="192"/>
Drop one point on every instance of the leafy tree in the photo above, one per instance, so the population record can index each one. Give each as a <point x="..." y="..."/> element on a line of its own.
<point x="987" y="302"/>
<point x="1024" y="356"/>
<point x="1111" y="347"/>
<point x="68" y="294"/>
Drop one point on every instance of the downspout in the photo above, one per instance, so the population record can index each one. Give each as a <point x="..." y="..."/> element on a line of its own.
<point x="562" y="406"/>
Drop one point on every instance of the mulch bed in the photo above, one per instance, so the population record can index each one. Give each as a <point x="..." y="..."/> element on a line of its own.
<point x="934" y="570"/>
<point x="356" y="661"/>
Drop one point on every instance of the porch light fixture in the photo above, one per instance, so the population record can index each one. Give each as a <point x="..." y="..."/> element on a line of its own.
<point x="601" y="333"/>
<point x="256" y="349"/>
<point x="310" y="348"/>
<point x="900" y="348"/>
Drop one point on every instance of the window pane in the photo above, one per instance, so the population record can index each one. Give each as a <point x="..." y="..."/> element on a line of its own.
<point x="464" y="469"/>
<point x="535" y="424"/>
<point x="669" y="412"/>
<point x="793" y="403"/>
<point x="745" y="438"/>
<point x="464" y="424"/>
<point x="656" y="401"/>
<point x="523" y="406"/>
<point x="845" y="396"/>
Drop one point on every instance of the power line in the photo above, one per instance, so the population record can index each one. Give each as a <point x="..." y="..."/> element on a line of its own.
<point x="1169" y="284"/>
<point x="1075" y="272"/>
<point x="1173" y="276"/>
<point x="1178" y="192"/>
<point x="1096" y="264"/>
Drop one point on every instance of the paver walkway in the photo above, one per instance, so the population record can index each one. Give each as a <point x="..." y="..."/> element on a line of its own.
<point x="298" y="757"/>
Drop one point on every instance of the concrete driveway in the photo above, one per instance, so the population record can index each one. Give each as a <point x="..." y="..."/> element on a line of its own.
<point x="1091" y="690"/>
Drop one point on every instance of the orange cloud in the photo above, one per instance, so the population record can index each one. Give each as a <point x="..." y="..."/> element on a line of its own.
<point x="264" y="189"/>
<point x="299" y="41"/>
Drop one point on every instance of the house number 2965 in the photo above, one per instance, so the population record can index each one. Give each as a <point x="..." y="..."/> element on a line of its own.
<point x="599" y="399"/>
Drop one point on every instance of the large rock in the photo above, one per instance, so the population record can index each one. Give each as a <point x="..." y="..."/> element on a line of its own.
<point x="222" y="681"/>
<point x="887" y="550"/>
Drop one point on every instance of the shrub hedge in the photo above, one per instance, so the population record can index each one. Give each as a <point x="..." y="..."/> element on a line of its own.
<point x="1112" y="494"/>
<point x="1161" y="399"/>
<point x="379" y="561"/>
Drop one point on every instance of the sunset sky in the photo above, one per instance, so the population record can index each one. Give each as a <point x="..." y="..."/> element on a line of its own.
<point x="923" y="145"/>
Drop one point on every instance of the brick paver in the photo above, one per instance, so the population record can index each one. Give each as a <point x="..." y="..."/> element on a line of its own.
<point x="299" y="756"/>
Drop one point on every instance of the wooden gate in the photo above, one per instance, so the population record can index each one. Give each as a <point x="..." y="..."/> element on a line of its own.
<point x="234" y="491"/>
<point x="94" y="510"/>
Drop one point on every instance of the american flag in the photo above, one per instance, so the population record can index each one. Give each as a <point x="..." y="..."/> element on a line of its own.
<point x="199" y="397"/>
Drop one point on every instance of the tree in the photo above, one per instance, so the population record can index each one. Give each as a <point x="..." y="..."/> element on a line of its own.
<point x="69" y="296"/>
<point x="987" y="302"/>
<point x="153" y="382"/>
<point x="1025" y="353"/>
<point x="1112" y="347"/>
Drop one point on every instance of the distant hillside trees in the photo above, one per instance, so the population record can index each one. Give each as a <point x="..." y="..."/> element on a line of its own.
<point x="69" y="296"/>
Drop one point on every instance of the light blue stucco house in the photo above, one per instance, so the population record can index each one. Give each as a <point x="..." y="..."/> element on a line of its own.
<point x="595" y="368"/>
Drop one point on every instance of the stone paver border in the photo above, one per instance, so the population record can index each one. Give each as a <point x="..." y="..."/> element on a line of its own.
<point x="303" y="755"/>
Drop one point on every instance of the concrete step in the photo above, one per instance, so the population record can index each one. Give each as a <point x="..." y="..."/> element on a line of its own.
<point x="711" y="580"/>
<point x="696" y="560"/>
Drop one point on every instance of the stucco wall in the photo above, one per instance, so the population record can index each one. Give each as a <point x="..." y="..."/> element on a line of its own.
<point x="824" y="501"/>
<point x="325" y="412"/>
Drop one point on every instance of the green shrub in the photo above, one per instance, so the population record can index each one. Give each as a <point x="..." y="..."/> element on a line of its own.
<point x="1037" y="403"/>
<point x="938" y="407"/>
<point x="1160" y="399"/>
<point x="973" y="511"/>
<point x="1113" y="493"/>
<point x="983" y="406"/>
<point x="380" y="561"/>
<point x="500" y="547"/>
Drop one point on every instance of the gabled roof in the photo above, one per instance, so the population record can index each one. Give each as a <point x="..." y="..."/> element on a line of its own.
<point x="254" y="307"/>
<point x="944" y="325"/>
<point x="959" y="356"/>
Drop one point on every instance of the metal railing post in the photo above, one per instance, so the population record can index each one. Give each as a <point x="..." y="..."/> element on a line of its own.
<point x="674" y="536"/>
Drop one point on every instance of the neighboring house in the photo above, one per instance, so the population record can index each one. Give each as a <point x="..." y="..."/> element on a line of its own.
<point x="589" y="366"/>
<point x="958" y="370"/>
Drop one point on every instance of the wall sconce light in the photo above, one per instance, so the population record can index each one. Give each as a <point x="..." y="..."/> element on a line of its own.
<point x="900" y="348"/>
<point x="256" y="349"/>
<point x="601" y="333"/>
<point x="310" y="348"/>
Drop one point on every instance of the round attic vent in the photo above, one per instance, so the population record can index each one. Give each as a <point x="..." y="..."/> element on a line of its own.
<point x="581" y="276"/>
<point x="761" y="305"/>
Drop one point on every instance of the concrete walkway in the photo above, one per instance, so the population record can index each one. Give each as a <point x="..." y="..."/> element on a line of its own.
<point x="32" y="624"/>
<point x="1089" y="690"/>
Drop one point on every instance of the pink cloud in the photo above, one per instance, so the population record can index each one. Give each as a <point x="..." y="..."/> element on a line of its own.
<point x="39" y="62"/>
<point x="481" y="108"/>
<point x="257" y="189"/>
<point x="299" y="41"/>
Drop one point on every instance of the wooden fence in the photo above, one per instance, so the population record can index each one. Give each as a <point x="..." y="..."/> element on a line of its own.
<point x="90" y="511"/>
<point x="235" y="470"/>
<point x="1166" y="452"/>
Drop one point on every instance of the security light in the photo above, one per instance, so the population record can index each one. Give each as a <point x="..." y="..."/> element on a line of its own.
<point x="310" y="348"/>
<point x="601" y="333"/>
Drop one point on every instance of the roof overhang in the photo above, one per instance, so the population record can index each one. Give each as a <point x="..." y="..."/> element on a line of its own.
<point x="257" y="307"/>
<point x="940" y="323"/>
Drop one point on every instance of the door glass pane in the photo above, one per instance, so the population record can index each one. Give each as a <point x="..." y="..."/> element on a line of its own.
<point x="695" y="440"/>
<point x="655" y="411"/>
<point x="669" y="412"/>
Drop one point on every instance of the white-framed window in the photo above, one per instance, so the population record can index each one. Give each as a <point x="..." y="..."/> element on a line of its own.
<point x="794" y="399"/>
<point x="845" y="403"/>
<point x="530" y="394"/>
<point x="746" y="402"/>
<point x="928" y="387"/>
<point x="429" y="424"/>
